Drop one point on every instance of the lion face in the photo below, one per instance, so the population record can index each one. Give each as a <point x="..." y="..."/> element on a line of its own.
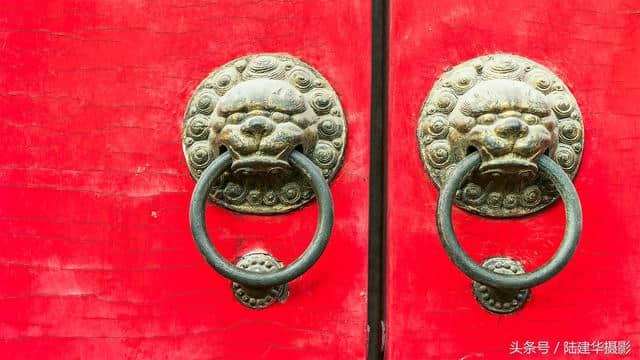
<point x="509" y="122"/>
<point x="260" y="122"/>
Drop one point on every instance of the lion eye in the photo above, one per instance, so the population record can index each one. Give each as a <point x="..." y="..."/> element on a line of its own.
<point x="279" y="117"/>
<point x="531" y="119"/>
<point x="486" y="119"/>
<point x="236" y="118"/>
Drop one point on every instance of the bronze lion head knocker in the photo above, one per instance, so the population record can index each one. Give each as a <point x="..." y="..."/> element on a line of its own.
<point x="260" y="108"/>
<point x="511" y="110"/>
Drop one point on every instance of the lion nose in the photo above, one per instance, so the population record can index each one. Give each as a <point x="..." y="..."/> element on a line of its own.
<point x="511" y="128"/>
<point x="257" y="126"/>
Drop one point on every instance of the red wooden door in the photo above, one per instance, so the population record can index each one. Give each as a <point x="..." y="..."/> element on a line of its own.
<point x="431" y="312"/>
<point x="98" y="261"/>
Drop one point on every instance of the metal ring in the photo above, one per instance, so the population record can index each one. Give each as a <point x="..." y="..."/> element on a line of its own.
<point x="468" y="266"/>
<point x="280" y="276"/>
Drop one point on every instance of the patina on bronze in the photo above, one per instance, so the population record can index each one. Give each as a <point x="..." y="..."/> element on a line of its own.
<point x="261" y="135"/>
<point x="502" y="282"/>
<point x="252" y="277"/>
<point x="261" y="297"/>
<point x="259" y="108"/>
<point x="499" y="300"/>
<point x="511" y="111"/>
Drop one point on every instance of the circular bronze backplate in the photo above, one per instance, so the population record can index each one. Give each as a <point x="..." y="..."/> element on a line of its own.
<point x="259" y="298"/>
<point x="498" y="86"/>
<point x="501" y="301"/>
<point x="297" y="102"/>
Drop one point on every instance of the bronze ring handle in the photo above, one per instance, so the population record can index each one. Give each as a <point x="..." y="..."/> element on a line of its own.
<point x="517" y="281"/>
<point x="280" y="276"/>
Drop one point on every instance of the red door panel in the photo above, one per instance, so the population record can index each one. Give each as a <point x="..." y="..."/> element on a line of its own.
<point x="98" y="261"/>
<point x="431" y="312"/>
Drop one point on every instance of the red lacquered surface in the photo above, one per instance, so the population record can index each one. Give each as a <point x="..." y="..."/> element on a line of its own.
<point x="97" y="259"/>
<point x="593" y="47"/>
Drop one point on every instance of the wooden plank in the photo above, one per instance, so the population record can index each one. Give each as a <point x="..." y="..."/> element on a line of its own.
<point x="593" y="47"/>
<point x="98" y="260"/>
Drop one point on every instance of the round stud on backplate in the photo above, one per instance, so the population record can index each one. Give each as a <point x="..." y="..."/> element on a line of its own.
<point x="501" y="301"/>
<point x="259" y="298"/>
<point x="260" y="108"/>
<point x="511" y="110"/>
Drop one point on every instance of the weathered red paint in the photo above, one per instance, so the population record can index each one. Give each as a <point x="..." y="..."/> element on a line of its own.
<point x="97" y="258"/>
<point x="593" y="47"/>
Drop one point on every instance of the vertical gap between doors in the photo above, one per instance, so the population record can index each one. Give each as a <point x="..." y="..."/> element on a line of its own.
<point x="377" y="180"/>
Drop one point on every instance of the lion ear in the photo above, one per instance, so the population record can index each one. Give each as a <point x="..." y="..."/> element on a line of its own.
<point x="310" y="136"/>
<point x="305" y="119"/>
<point x="461" y="123"/>
<point x="458" y="144"/>
<point x="215" y="126"/>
